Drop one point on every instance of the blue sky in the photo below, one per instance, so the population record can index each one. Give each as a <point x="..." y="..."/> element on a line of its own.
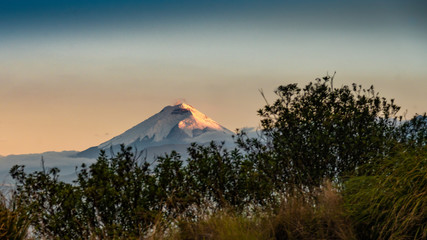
<point x="28" y="17"/>
<point x="79" y="67"/>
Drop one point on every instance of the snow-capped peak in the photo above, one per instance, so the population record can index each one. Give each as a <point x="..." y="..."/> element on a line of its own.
<point x="182" y="123"/>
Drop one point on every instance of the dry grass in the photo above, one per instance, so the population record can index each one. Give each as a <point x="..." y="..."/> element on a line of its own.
<point x="319" y="216"/>
<point x="13" y="223"/>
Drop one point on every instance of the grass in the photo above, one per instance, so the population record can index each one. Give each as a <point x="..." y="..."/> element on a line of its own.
<point x="14" y="224"/>
<point x="392" y="204"/>
<point x="221" y="226"/>
<point x="320" y="216"/>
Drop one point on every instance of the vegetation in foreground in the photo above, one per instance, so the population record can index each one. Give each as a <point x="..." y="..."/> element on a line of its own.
<point x="322" y="216"/>
<point x="14" y="223"/>
<point x="330" y="163"/>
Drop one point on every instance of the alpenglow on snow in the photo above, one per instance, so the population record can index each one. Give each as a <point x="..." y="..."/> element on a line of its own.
<point x="173" y="128"/>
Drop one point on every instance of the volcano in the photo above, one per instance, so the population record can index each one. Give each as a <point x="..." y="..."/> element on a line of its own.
<point x="173" y="128"/>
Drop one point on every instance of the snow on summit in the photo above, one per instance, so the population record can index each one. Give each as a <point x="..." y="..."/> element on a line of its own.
<point x="197" y="120"/>
<point x="176" y="124"/>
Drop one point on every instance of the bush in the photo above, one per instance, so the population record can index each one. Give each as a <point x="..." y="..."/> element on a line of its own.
<point x="267" y="187"/>
<point x="319" y="132"/>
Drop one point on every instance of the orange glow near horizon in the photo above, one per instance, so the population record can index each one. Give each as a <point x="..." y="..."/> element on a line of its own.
<point x="44" y="121"/>
<point x="72" y="78"/>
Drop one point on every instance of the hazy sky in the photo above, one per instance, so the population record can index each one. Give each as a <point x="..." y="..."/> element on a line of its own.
<point x="75" y="73"/>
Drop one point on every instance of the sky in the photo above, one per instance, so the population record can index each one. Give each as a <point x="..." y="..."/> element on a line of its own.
<point x="75" y="73"/>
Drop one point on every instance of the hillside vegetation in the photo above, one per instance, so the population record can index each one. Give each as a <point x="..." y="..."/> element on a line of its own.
<point x="329" y="163"/>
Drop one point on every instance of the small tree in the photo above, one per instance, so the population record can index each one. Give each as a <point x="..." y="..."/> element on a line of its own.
<point x="112" y="198"/>
<point x="118" y="195"/>
<point x="320" y="132"/>
<point x="52" y="206"/>
<point x="308" y="135"/>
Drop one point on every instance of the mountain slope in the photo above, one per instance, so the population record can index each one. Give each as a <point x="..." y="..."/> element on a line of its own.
<point x="176" y="126"/>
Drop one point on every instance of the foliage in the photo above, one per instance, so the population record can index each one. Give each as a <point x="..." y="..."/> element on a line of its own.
<point x="224" y="177"/>
<point x="50" y="202"/>
<point x="392" y="204"/>
<point x="108" y="199"/>
<point x="267" y="187"/>
<point x="118" y="195"/>
<point x="414" y="132"/>
<point x="320" y="132"/>
<point x="170" y="183"/>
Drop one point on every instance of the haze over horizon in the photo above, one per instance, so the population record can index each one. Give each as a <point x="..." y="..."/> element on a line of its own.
<point x="74" y="74"/>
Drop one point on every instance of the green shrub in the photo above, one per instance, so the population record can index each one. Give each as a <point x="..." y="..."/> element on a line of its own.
<point x="319" y="132"/>
<point x="267" y="187"/>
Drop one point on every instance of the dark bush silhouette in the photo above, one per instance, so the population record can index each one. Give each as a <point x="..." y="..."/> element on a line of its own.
<point x="308" y="135"/>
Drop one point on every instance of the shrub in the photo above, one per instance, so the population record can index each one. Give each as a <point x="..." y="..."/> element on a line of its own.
<point x="319" y="132"/>
<point x="267" y="187"/>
